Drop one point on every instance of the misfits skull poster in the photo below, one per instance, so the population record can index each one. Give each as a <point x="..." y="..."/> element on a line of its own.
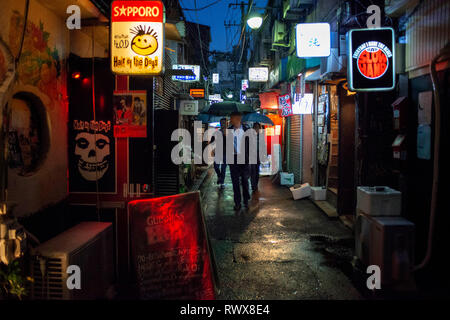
<point x="91" y="156"/>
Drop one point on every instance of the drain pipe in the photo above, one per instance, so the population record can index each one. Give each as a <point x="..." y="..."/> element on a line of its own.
<point x="437" y="131"/>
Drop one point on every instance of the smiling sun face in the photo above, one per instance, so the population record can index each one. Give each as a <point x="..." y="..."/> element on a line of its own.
<point x="145" y="42"/>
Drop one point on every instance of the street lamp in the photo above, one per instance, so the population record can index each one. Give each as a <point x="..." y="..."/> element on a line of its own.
<point x="254" y="21"/>
<point x="230" y="95"/>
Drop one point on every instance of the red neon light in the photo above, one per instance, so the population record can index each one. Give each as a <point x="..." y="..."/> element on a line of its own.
<point x="372" y="65"/>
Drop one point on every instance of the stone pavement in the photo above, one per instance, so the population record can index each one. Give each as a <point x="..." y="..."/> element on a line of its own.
<point x="278" y="248"/>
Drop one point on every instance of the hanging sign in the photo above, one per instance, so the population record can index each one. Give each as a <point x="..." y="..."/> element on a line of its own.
<point x="195" y="69"/>
<point x="371" y="59"/>
<point x="313" y="39"/>
<point x="137" y="37"/>
<point x="258" y="74"/>
<point x="285" y="106"/>
<point x="189" y="107"/>
<point x="244" y="84"/>
<point x="269" y="100"/>
<point x="197" y="93"/>
<point x="215" y="78"/>
<point x="130" y="114"/>
<point x="303" y="105"/>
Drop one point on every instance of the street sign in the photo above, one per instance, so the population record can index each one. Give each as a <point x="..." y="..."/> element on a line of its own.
<point x="371" y="59"/>
<point x="313" y="40"/>
<point x="137" y="37"/>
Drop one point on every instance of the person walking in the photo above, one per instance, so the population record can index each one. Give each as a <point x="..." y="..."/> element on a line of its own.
<point x="239" y="169"/>
<point x="254" y="167"/>
<point x="220" y="165"/>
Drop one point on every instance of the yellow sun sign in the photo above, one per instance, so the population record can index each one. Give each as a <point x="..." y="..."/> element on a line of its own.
<point x="137" y="37"/>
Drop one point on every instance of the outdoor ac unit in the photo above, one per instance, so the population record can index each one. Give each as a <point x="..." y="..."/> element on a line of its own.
<point x="387" y="242"/>
<point x="279" y="34"/>
<point x="88" y="245"/>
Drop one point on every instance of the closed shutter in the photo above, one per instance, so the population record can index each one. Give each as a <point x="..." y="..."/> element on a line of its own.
<point x="166" y="89"/>
<point x="166" y="121"/>
<point x="295" y="147"/>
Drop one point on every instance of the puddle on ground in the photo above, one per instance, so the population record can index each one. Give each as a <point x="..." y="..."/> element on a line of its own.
<point x="338" y="254"/>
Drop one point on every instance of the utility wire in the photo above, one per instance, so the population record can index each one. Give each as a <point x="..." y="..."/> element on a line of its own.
<point x="202" y="8"/>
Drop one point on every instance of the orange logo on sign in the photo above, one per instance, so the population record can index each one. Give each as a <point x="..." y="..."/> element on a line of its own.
<point x="372" y="63"/>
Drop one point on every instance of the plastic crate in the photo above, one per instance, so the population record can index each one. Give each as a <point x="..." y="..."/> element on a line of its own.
<point x="319" y="193"/>
<point x="301" y="192"/>
<point x="286" y="179"/>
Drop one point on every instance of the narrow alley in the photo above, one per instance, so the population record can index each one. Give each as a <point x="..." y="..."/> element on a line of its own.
<point x="278" y="248"/>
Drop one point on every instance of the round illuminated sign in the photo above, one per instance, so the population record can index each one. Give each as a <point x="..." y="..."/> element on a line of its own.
<point x="372" y="63"/>
<point x="372" y="60"/>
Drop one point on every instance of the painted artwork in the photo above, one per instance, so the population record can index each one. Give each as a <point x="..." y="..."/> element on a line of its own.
<point x="39" y="64"/>
<point x="2" y="67"/>
<point x="130" y="114"/>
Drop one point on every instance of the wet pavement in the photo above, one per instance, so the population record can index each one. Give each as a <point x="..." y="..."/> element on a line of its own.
<point x="278" y="248"/>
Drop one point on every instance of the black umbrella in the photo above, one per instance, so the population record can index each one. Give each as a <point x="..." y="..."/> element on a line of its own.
<point x="228" y="107"/>
<point x="257" y="117"/>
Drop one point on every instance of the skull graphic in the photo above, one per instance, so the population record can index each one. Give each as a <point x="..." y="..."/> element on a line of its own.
<point x="93" y="151"/>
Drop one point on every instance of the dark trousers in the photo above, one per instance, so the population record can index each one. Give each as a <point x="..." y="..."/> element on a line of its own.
<point x="239" y="175"/>
<point x="221" y="170"/>
<point x="254" y="175"/>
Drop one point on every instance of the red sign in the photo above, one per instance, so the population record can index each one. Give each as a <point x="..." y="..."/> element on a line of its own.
<point x="144" y="11"/>
<point x="285" y="106"/>
<point x="269" y="100"/>
<point x="169" y="248"/>
<point x="372" y="64"/>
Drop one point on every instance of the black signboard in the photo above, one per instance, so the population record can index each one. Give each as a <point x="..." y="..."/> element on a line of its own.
<point x="371" y="59"/>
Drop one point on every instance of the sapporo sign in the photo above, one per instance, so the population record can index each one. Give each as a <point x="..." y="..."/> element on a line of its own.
<point x="137" y="37"/>
<point x="371" y="59"/>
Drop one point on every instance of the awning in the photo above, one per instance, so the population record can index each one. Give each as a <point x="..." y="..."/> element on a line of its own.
<point x="312" y="74"/>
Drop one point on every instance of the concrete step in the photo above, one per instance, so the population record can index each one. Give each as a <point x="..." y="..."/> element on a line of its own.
<point x="326" y="207"/>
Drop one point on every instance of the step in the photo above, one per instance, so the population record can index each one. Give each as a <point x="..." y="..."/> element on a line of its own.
<point x="326" y="207"/>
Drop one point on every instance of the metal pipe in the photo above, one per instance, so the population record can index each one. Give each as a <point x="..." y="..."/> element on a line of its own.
<point x="437" y="131"/>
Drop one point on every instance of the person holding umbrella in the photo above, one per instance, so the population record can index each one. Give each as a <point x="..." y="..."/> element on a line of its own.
<point x="219" y="159"/>
<point x="239" y="171"/>
<point x="254" y="168"/>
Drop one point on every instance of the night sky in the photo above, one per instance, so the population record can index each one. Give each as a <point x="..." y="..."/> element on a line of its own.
<point x="214" y="16"/>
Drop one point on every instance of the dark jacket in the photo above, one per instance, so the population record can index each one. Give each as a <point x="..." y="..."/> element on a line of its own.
<point x="213" y="138"/>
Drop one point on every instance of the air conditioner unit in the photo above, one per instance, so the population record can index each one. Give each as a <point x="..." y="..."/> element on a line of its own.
<point x="279" y="34"/>
<point x="387" y="242"/>
<point x="88" y="245"/>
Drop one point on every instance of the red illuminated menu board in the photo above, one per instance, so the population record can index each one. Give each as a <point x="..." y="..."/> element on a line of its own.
<point x="169" y="251"/>
<point x="371" y="59"/>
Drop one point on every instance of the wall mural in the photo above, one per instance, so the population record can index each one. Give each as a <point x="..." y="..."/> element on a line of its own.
<point x="39" y="64"/>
